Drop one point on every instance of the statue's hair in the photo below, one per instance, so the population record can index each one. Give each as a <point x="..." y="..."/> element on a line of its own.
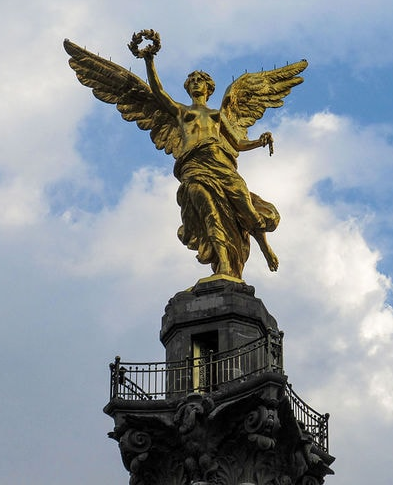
<point x="206" y="77"/>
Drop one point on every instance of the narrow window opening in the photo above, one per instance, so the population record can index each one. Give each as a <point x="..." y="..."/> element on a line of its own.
<point x="204" y="349"/>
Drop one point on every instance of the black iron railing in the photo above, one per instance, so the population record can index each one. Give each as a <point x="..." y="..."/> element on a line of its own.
<point x="313" y="422"/>
<point x="163" y="380"/>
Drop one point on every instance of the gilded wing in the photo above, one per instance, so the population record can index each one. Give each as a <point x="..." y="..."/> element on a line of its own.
<point x="247" y="98"/>
<point x="135" y="100"/>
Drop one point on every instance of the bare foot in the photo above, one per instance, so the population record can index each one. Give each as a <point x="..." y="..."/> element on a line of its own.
<point x="271" y="258"/>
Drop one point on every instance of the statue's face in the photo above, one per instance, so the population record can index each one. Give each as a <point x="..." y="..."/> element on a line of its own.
<point x="197" y="85"/>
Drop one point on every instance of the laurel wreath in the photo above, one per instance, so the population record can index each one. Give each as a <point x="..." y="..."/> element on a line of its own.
<point x="150" y="49"/>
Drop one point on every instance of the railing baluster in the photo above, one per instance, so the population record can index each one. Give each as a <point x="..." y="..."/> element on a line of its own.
<point x="162" y="384"/>
<point x="188" y="375"/>
<point x="155" y="380"/>
<point x="210" y="371"/>
<point x="269" y="350"/>
<point x="137" y="376"/>
<point x="148" y="370"/>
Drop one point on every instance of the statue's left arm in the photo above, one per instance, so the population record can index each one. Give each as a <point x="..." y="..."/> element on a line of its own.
<point x="247" y="98"/>
<point x="243" y="144"/>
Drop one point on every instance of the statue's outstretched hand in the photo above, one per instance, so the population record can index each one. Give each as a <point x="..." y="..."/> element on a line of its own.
<point x="267" y="139"/>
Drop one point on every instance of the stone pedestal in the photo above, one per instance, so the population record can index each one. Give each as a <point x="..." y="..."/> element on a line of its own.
<point x="249" y="428"/>
<point x="223" y="309"/>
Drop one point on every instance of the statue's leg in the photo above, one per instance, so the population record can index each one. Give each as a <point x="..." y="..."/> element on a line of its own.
<point x="223" y="266"/>
<point x="246" y="214"/>
<point x="209" y="216"/>
<point x="271" y="258"/>
<point x="251" y="220"/>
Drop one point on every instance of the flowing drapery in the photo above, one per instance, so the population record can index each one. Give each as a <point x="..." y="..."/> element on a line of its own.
<point x="218" y="211"/>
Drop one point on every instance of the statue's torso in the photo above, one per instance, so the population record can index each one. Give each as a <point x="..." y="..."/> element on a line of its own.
<point x="198" y="123"/>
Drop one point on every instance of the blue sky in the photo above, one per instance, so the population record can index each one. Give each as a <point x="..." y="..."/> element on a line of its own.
<point x="88" y="220"/>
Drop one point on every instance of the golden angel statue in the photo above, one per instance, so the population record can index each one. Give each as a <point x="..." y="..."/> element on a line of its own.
<point x="218" y="211"/>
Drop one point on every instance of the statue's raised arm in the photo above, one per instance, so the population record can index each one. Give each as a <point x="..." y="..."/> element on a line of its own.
<point x="148" y="54"/>
<point x="218" y="211"/>
<point x="134" y="98"/>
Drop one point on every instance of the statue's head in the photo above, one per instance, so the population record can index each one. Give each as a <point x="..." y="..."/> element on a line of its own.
<point x="210" y="85"/>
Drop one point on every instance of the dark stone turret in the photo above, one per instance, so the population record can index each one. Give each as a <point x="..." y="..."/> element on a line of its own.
<point x="221" y="313"/>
